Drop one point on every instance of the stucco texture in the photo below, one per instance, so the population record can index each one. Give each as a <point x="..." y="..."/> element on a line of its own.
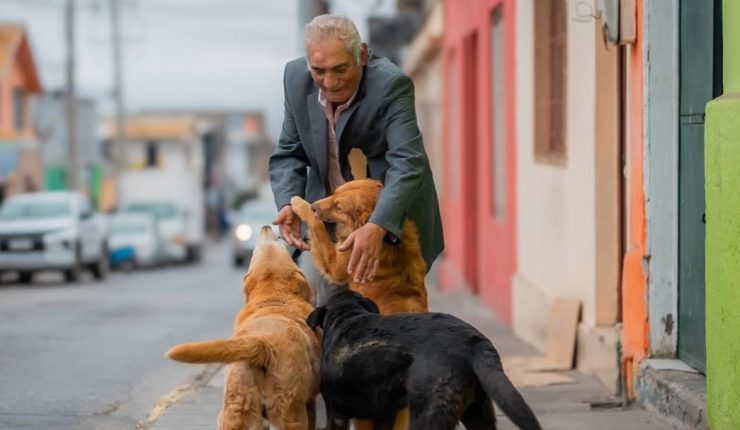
<point x="722" y="158"/>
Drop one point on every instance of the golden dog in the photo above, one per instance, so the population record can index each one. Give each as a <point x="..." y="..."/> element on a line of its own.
<point x="273" y="370"/>
<point x="398" y="286"/>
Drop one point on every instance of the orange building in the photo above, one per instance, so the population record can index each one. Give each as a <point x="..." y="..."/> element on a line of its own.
<point x="21" y="165"/>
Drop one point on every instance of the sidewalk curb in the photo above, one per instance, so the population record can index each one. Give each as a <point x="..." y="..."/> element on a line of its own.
<point x="679" y="396"/>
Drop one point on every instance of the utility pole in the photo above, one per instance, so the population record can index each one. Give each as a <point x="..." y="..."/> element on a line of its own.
<point x="118" y="140"/>
<point x="73" y="182"/>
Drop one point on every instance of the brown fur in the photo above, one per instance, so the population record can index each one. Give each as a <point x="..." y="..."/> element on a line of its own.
<point x="398" y="285"/>
<point x="274" y="355"/>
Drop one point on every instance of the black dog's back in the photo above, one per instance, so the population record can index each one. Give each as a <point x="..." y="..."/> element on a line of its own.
<point x="439" y="365"/>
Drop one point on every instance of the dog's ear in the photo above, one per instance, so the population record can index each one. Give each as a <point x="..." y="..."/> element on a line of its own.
<point x="369" y="305"/>
<point x="316" y="318"/>
<point x="362" y="215"/>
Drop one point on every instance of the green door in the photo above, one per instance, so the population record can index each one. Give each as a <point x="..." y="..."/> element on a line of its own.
<point x="700" y="66"/>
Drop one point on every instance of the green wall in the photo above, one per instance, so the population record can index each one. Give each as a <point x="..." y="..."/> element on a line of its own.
<point x="722" y="170"/>
<point x="55" y="178"/>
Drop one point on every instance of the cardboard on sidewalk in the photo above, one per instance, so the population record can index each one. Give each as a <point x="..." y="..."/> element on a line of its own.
<point x="560" y="348"/>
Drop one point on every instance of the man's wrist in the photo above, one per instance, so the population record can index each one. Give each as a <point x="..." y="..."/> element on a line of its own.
<point x="377" y="227"/>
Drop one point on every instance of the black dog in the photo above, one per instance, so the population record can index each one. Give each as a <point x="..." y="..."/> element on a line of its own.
<point x="441" y="367"/>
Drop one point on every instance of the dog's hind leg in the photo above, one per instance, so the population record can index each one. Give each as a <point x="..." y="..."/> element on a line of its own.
<point x="401" y="421"/>
<point x="293" y="416"/>
<point x="311" y="412"/>
<point x="388" y="423"/>
<point x="431" y="417"/>
<point x="480" y="414"/>
<point x="242" y="408"/>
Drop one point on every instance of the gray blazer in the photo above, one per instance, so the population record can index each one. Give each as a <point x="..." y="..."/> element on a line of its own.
<point x="382" y="123"/>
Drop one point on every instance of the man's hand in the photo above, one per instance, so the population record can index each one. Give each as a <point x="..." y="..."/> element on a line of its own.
<point x="290" y="228"/>
<point x="366" y="243"/>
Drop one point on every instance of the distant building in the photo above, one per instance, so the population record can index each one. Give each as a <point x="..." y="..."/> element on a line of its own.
<point x="49" y="113"/>
<point x="21" y="166"/>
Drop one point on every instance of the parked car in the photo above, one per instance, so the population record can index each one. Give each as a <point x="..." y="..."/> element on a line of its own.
<point x="171" y="225"/>
<point x="252" y="215"/>
<point x="135" y="240"/>
<point x="52" y="231"/>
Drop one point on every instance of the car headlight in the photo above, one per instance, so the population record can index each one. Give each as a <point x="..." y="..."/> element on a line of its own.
<point x="243" y="232"/>
<point x="64" y="237"/>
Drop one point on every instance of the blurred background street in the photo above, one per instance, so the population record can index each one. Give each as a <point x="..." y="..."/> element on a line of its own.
<point x="90" y="355"/>
<point x="584" y="151"/>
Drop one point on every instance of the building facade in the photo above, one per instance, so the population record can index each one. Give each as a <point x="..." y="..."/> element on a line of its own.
<point x="21" y="165"/>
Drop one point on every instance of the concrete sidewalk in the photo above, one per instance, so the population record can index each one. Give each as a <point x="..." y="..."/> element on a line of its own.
<point x="581" y="403"/>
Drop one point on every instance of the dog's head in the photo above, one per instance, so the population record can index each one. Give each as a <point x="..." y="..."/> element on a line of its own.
<point x="272" y="267"/>
<point x="340" y="305"/>
<point x="351" y="204"/>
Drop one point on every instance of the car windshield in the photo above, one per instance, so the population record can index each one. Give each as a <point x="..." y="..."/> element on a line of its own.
<point x="159" y="210"/>
<point x="126" y="227"/>
<point x="17" y="210"/>
<point x="259" y="213"/>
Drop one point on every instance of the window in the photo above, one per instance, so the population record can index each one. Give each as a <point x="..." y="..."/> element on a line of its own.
<point x="152" y="154"/>
<point x="550" y="80"/>
<point x="498" y="135"/>
<point x="19" y="108"/>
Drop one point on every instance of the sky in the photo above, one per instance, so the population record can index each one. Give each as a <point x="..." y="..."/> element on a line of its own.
<point x="178" y="54"/>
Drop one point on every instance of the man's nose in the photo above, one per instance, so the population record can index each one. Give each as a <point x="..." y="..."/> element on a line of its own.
<point x="330" y="82"/>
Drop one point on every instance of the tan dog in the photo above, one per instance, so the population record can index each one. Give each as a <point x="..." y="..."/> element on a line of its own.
<point x="398" y="286"/>
<point x="273" y="370"/>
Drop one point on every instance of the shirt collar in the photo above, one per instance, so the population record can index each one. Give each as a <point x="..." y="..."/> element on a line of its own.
<point x="323" y="100"/>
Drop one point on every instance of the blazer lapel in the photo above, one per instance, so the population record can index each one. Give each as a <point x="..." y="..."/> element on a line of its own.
<point x="344" y="118"/>
<point x="318" y="132"/>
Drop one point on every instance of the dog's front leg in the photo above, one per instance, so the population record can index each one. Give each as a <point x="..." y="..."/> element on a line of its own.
<point x="334" y="422"/>
<point x="329" y="260"/>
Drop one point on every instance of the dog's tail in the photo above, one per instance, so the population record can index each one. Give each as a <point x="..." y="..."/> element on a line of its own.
<point x="255" y="350"/>
<point x="487" y="367"/>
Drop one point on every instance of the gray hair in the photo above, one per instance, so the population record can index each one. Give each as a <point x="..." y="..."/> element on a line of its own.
<point x="337" y="26"/>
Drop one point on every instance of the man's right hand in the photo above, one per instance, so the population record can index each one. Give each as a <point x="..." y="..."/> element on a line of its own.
<point x="290" y="228"/>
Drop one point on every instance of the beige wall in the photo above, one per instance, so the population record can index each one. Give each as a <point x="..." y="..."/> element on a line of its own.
<point x="555" y="225"/>
<point x="567" y="228"/>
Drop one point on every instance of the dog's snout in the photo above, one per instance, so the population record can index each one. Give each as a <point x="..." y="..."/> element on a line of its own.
<point x="313" y="207"/>
<point x="267" y="233"/>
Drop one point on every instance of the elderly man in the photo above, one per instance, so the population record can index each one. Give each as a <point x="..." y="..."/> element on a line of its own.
<point x="339" y="97"/>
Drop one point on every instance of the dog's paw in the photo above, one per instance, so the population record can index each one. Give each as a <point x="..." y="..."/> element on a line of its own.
<point x="301" y="208"/>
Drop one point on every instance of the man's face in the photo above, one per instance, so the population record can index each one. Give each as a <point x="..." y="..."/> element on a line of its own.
<point x="334" y="69"/>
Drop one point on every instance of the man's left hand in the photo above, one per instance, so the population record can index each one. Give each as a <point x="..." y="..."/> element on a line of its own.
<point x="366" y="243"/>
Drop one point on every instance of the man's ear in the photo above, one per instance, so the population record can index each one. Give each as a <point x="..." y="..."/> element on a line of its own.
<point x="316" y="318"/>
<point x="364" y="54"/>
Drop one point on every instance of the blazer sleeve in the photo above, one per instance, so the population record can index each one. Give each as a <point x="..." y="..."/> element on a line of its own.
<point x="288" y="163"/>
<point x="406" y="157"/>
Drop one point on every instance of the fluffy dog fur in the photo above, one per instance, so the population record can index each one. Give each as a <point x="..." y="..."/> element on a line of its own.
<point x="440" y="366"/>
<point x="398" y="285"/>
<point x="273" y="370"/>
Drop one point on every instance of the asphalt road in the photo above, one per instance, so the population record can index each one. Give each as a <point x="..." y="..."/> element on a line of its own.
<point x="90" y="355"/>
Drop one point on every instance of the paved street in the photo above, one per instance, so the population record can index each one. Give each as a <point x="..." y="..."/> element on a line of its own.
<point x="90" y="355"/>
